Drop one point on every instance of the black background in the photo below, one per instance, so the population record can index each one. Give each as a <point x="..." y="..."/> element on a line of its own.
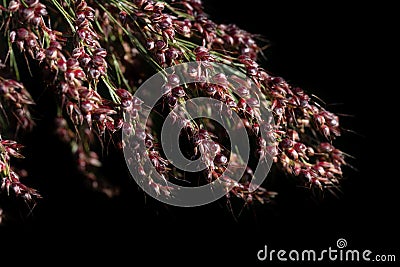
<point x="339" y="52"/>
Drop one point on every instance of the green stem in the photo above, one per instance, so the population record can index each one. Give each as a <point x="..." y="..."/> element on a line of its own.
<point x="133" y="39"/>
<point x="111" y="89"/>
<point x="120" y="75"/>
<point x="13" y="61"/>
<point x="67" y="17"/>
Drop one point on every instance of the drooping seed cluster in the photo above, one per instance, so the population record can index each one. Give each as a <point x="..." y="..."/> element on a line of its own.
<point x="10" y="179"/>
<point x="15" y="101"/>
<point x="136" y="136"/>
<point x="74" y="77"/>
<point x="160" y="28"/>
<point x="301" y="124"/>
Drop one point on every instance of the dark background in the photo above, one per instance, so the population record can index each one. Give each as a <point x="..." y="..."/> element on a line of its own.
<point x="339" y="52"/>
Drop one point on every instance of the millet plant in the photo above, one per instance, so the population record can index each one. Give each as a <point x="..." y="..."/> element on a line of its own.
<point x="94" y="54"/>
